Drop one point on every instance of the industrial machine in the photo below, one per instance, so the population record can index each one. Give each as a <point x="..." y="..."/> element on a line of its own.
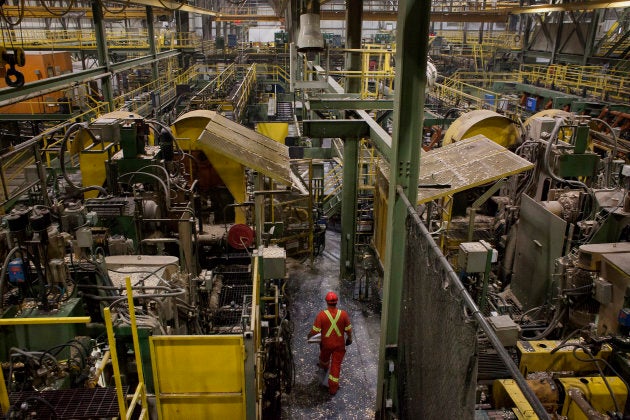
<point x="194" y="222"/>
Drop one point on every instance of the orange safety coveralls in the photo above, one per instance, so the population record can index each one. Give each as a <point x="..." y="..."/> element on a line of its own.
<point x="332" y="323"/>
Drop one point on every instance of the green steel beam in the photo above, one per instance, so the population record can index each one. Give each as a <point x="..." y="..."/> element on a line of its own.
<point x="141" y="61"/>
<point x="411" y="64"/>
<point x="30" y="90"/>
<point x="335" y="128"/>
<point x="350" y="103"/>
<point x="101" y="51"/>
<point x="363" y="127"/>
<point x="381" y="139"/>
<point x="36" y="117"/>
<point x="349" y="207"/>
<point x="152" y="46"/>
<point x="354" y="19"/>
<point x="40" y="87"/>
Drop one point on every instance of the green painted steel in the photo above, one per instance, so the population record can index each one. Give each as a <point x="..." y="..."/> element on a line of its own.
<point x="40" y="337"/>
<point x="349" y="206"/>
<point x="152" y="46"/>
<point x="10" y="96"/>
<point x="411" y="59"/>
<point x="354" y="19"/>
<point x="350" y="103"/>
<point x="101" y="51"/>
<point x="335" y="128"/>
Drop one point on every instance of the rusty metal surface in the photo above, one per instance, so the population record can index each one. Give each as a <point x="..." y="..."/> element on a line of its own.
<point x="356" y="398"/>
<point x="466" y="164"/>
<point x="247" y="147"/>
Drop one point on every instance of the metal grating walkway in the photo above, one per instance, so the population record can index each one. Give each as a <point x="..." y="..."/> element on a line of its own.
<point x="81" y="403"/>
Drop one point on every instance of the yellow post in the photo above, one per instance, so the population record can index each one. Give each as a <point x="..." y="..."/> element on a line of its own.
<point x="114" y="354"/>
<point x="45" y="321"/>
<point x="4" y="395"/>
<point x="136" y="341"/>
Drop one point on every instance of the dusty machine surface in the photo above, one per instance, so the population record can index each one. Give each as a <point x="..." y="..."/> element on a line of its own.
<point x="545" y="255"/>
<point x="136" y="246"/>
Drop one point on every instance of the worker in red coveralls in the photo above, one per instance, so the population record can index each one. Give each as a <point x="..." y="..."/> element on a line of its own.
<point x="332" y="323"/>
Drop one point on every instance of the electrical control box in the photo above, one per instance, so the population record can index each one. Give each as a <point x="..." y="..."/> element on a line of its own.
<point x="505" y="328"/>
<point x="538" y="126"/>
<point x="472" y="257"/>
<point x="274" y="262"/>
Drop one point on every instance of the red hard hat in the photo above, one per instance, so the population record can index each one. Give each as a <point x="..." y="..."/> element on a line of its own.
<point x="331" y="297"/>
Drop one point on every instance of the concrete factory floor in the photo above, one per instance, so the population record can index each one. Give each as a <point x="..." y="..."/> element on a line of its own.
<point x="356" y="398"/>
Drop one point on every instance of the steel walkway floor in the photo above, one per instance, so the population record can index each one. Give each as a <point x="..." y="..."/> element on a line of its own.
<point x="356" y="398"/>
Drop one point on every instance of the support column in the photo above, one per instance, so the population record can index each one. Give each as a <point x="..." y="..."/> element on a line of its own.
<point x="557" y="39"/>
<point x="349" y="206"/>
<point x="101" y="51"/>
<point x="152" y="47"/>
<point x="411" y="68"/>
<point x="590" y="38"/>
<point x="354" y="21"/>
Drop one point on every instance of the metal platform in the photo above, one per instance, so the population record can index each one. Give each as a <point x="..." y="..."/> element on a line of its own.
<point x="81" y="403"/>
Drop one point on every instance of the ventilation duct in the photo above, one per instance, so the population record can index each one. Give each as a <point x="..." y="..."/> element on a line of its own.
<point x="310" y="36"/>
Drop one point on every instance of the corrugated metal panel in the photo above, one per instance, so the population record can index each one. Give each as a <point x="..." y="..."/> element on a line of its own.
<point x="199" y="376"/>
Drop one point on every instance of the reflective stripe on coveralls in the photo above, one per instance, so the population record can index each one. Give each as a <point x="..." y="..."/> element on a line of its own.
<point x="333" y="323"/>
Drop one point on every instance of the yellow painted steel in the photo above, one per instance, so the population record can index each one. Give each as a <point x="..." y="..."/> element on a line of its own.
<point x="506" y="389"/>
<point x="536" y="356"/>
<point x="99" y="370"/>
<point x="45" y="321"/>
<point x="187" y="131"/>
<point x="596" y="393"/>
<point x="92" y="163"/>
<point x="596" y="82"/>
<point x="494" y="126"/>
<point x="4" y="394"/>
<point x="111" y="339"/>
<point x="140" y="390"/>
<point x="275" y="130"/>
<point x="199" y="377"/>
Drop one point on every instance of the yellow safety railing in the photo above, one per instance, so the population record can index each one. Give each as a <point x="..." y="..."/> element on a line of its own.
<point x="459" y="94"/>
<point x="377" y="71"/>
<point x="141" y="98"/>
<point x="491" y="40"/>
<point x="139" y="394"/>
<point x="13" y="164"/>
<point x="476" y="78"/>
<point x="120" y="38"/>
<point x="241" y="96"/>
<point x="594" y="81"/>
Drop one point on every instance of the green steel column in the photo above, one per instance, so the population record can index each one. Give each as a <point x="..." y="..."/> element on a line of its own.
<point x="354" y="20"/>
<point x="101" y="50"/>
<point x="152" y="47"/>
<point x="354" y="16"/>
<point x="411" y="66"/>
<point x="349" y="206"/>
<point x="557" y="39"/>
<point x="592" y="34"/>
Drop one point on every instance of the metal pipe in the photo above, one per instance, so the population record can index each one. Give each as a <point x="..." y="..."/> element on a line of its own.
<point x="45" y="321"/>
<point x="99" y="370"/>
<point x="531" y="397"/>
